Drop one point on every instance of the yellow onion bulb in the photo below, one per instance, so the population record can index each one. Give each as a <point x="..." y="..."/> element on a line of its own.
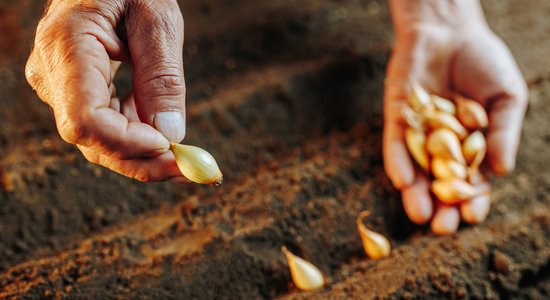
<point x="197" y="164"/>
<point x="376" y="246"/>
<point x="305" y="275"/>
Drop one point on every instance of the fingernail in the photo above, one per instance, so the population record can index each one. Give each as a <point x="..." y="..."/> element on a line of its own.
<point x="508" y="165"/>
<point x="476" y="210"/>
<point x="502" y="167"/>
<point x="445" y="221"/>
<point x="171" y="124"/>
<point x="401" y="181"/>
<point x="417" y="204"/>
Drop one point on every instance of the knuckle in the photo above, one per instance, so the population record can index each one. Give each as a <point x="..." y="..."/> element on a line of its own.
<point x="43" y="28"/>
<point x="46" y="49"/>
<point x="55" y="31"/>
<point x="166" y="84"/>
<point x="47" y="32"/>
<point x="523" y="93"/>
<point x="31" y="72"/>
<point x="93" y="158"/>
<point x="74" y="131"/>
<point x="103" y="14"/>
<point x="42" y="42"/>
<point x="517" y="94"/>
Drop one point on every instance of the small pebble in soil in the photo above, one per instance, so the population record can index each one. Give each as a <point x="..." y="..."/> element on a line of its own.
<point x="6" y="182"/>
<point x="503" y="263"/>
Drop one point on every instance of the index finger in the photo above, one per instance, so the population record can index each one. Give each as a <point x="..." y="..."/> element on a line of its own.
<point x="397" y="162"/>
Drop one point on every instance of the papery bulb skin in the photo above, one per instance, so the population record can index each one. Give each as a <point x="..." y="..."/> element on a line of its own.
<point x="197" y="164"/>
<point x="305" y="275"/>
<point x="376" y="245"/>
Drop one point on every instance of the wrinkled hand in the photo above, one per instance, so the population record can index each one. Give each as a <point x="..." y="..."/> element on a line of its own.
<point x="78" y="48"/>
<point x="448" y="47"/>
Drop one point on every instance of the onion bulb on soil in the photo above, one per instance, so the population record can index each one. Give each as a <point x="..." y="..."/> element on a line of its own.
<point x="375" y="245"/>
<point x="305" y="275"/>
<point x="197" y="164"/>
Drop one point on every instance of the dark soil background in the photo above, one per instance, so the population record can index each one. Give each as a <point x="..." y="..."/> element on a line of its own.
<point x="286" y="95"/>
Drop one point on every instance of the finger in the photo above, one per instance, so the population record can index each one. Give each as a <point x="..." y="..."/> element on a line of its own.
<point x="128" y="108"/>
<point x="505" y="121"/>
<point x="143" y="169"/>
<point x="114" y="69"/>
<point x="446" y="220"/>
<point x="155" y="41"/>
<point x="112" y="90"/>
<point x="495" y="80"/>
<point x="397" y="162"/>
<point x="115" y="65"/>
<point x="115" y="100"/>
<point x="417" y="201"/>
<point x="476" y="210"/>
<point x="115" y="104"/>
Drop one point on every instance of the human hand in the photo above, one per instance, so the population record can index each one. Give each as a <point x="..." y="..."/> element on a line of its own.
<point x="446" y="46"/>
<point x="77" y="50"/>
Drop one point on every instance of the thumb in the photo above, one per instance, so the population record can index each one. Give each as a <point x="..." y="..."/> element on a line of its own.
<point x="155" y="41"/>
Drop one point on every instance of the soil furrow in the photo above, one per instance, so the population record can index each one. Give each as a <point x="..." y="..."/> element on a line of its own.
<point x="134" y="250"/>
<point x="429" y="273"/>
<point x="32" y="172"/>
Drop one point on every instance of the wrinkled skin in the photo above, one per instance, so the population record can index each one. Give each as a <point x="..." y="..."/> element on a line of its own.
<point x="447" y="47"/>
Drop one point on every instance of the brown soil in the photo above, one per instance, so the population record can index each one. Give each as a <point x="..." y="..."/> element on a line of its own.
<point x="287" y="96"/>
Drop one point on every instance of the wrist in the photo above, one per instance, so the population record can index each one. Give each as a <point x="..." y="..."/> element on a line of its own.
<point x="454" y="15"/>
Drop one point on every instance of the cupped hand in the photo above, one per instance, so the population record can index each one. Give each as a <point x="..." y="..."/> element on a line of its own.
<point x="78" y="48"/>
<point x="447" y="50"/>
